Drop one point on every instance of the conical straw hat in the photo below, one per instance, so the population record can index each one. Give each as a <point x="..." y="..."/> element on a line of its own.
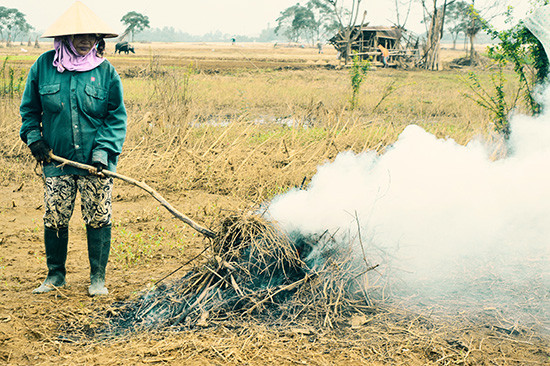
<point x="79" y="19"/>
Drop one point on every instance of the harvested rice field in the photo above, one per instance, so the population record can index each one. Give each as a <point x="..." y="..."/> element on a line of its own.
<point x="402" y="231"/>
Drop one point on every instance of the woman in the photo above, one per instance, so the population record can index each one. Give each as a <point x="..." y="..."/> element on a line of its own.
<point x="385" y="54"/>
<point x="73" y="106"/>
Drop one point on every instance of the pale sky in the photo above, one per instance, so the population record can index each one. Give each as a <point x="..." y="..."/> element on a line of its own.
<point x="237" y="17"/>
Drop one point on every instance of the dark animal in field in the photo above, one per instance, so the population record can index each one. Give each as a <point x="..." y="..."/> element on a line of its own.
<point x="124" y="47"/>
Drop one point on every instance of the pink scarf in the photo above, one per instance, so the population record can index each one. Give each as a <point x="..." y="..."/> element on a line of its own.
<point x="67" y="58"/>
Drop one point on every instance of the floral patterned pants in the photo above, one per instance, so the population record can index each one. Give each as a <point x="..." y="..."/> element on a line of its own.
<point x="60" y="195"/>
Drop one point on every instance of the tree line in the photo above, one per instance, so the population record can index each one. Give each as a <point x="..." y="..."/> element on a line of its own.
<point x="14" y="27"/>
<point x="315" y="21"/>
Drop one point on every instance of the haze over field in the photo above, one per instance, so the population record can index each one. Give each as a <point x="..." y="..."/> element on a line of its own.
<point x="242" y="17"/>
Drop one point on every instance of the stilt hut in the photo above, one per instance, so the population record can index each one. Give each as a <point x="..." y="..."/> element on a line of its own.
<point x="402" y="45"/>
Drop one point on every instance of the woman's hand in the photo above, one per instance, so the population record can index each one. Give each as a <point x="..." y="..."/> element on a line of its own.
<point x="41" y="151"/>
<point x="99" y="168"/>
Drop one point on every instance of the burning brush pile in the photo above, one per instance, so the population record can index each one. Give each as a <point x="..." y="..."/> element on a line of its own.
<point x="254" y="271"/>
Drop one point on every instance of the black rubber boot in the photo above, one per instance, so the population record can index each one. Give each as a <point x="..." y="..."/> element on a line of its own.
<point x="99" y="245"/>
<point x="55" y="242"/>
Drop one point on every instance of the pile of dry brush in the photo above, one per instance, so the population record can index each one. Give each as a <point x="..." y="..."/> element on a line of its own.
<point x="253" y="271"/>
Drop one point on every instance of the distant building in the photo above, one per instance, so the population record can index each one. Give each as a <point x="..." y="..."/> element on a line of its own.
<point x="402" y="45"/>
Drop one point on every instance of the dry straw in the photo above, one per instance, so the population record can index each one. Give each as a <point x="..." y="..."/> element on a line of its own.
<point x="254" y="271"/>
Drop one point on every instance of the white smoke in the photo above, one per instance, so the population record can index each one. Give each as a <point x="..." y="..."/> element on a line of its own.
<point x="438" y="212"/>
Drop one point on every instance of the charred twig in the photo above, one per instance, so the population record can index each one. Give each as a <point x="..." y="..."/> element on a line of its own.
<point x="285" y="288"/>
<point x="180" y="267"/>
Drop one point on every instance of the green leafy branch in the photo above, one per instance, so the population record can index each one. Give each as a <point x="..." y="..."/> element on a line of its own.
<point x="358" y="72"/>
<point x="520" y="47"/>
<point x="495" y="103"/>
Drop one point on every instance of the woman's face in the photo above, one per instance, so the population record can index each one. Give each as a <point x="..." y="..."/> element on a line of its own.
<point x="83" y="43"/>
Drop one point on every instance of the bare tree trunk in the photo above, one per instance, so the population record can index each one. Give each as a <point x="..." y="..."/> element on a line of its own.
<point x="472" y="35"/>
<point x="351" y="39"/>
<point x="472" y="48"/>
<point x="347" y="53"/>
<point x="433" y="46"/>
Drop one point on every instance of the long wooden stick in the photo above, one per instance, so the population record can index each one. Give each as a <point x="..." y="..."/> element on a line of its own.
<point x="204" y="231"/>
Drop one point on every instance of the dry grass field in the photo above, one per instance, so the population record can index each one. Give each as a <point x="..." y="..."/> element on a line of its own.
<point x="219" y="129"/>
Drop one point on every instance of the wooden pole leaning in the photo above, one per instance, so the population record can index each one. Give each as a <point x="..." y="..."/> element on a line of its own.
<point x="204" y="231"/>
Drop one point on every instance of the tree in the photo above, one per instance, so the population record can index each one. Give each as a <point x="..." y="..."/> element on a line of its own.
<point x="436" y="19"/>
<point x="472" y="29"/>
<point x="457" y="19"/>
<point x="478" y="15"/>
<point x="312" y="22"/>
<point x="12" y="24"/>
<point x="267" y="34"/>
<point x="326" y="22"/>
<point x="398" y="4"/>
<point x="135" y="23"/>
<point x="347" y="14"/>
<point x="295" y="22"/>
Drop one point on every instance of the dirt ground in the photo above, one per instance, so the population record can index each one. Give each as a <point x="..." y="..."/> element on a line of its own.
<point x="51" y="328"/>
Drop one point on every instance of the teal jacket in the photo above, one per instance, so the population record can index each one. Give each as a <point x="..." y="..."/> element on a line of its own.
<point x="81" y="115"/>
